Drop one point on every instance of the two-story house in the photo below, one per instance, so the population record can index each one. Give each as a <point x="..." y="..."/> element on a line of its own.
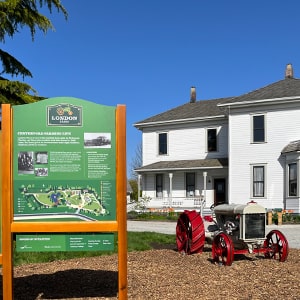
<point x="227" y="150"/>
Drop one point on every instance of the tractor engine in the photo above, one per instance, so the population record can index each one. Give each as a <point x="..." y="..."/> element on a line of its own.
<point x="244" y="223"/>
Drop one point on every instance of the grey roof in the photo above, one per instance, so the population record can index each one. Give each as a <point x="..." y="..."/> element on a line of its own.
<point x="288" y="87"/>
<point x="291" y="147"/>
<point x="185" y="164"/>
<point x="198" y="109"/>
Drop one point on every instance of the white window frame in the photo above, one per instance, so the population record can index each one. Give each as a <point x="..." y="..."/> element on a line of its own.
<point x="217" y="139"/>
<point x="158" y="134"/>
<point x="252" y="167"/>
<point x="265" y="128"/>
<point x="288" y="163"/>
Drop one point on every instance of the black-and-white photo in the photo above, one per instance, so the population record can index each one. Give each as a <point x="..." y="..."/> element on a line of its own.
<point x="97" y="140"/>
<point x="25" y="162"/>
<point x="41" y="157"/>
<point x="41" y="172"/>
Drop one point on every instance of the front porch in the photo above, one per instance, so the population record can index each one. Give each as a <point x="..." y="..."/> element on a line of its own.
<point x="183" y="185"/>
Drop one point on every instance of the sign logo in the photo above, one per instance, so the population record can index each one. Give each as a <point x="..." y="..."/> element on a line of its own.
<point x="64" y="115"/>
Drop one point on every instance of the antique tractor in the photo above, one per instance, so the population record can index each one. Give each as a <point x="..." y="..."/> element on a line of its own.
<point x="235" y="229"/>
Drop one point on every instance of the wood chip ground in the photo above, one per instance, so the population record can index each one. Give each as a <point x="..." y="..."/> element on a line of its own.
<point x="161" y="274"/>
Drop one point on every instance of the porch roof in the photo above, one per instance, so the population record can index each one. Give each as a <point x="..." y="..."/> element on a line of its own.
<point x="213" y="163"/>
<point x="291" y="147"/>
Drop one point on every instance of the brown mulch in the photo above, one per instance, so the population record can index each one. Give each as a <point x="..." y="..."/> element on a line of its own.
<point x="161" y="274"/>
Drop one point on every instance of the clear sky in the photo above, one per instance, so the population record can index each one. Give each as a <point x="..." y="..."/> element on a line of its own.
<point x="148" y="54"/>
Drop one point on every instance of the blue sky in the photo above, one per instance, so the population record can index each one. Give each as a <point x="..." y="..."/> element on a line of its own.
<point x="148" y="54"/>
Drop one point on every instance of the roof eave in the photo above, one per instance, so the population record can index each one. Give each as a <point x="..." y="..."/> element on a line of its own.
<point x="260" y="102"/>
<point x="178" y="121"/>
<point x="178" y="169"/>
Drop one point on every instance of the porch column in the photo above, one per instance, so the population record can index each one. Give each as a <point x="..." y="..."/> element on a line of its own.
<point x="171" y="188"/>
<point x="139" y="186"/>
<point x="204" y="189"/>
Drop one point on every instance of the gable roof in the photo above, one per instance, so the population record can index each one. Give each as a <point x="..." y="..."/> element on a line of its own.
<point x="188" y="111"/>
<point x="288" y="88"/>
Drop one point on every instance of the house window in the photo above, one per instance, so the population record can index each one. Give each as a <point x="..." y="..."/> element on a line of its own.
<point x="190" y="184"/>
<point x="258" y="123"/>
<point x="162" y="143"/>
<point x="159" y="185"/>
<point x="258" y="181"/>
<point x="211" y="140"/>
<point x="292" y="179"/>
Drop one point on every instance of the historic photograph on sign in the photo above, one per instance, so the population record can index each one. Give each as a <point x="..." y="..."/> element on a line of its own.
<point x="25" y="162"/>
<point x="97" y="140"/>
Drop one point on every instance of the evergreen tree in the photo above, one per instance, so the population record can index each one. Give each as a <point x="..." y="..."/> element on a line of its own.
<point x="15" y="15"/>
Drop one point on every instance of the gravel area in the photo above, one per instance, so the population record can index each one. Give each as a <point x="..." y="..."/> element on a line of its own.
<point x="162" y="273"/>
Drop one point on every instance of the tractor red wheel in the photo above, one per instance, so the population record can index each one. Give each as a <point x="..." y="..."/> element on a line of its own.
<point x="190" y="232"/>
<point x="222" y="249"/>
<point x="276" y="246"/>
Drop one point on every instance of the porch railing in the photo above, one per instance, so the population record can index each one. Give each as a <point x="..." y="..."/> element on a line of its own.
<point x="176" y="203"/>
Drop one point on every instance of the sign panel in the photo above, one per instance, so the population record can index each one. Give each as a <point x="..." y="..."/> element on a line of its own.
<point x="62" y="242"/>
<point x="64" y="158"/>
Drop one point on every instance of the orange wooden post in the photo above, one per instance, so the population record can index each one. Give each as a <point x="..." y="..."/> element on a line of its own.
<point x="7" y="263"/>
<point x="121" y="200"/>
<point x="1" y="197"/>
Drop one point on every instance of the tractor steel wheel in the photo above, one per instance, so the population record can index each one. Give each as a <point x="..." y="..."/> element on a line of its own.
<point x="190" y="232"/>
<point x="276" y="245"/>
<point x="222" y="249"/>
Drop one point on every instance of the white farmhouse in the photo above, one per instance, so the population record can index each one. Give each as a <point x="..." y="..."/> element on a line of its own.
<point x="227" y="150"/>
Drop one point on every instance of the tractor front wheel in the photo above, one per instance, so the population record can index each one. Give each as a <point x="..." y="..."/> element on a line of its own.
<point x="222" y="249"/>
<point x="276" y="246"/>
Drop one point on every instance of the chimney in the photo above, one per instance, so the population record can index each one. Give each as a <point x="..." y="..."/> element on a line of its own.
<point x="193" y="95"/>
<point x="289" y="73"/>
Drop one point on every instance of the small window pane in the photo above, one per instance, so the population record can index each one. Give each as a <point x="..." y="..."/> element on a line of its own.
<point x="162" y="144"/>
<point x="211" y="140"/>
<point x="259" y="128"/>
<point x="258" y="181"/>
<point x="293" y="179"/>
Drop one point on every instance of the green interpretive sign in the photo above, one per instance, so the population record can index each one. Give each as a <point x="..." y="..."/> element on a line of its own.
<point x="64" y="161"/>
<point x="63" y="242"/>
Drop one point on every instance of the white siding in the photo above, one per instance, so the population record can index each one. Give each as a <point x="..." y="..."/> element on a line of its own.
<point x="282" y="127"/>
<point x="184" y="143"/>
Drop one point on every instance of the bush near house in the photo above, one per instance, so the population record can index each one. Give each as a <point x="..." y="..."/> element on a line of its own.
<point x="168" y="214"/>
